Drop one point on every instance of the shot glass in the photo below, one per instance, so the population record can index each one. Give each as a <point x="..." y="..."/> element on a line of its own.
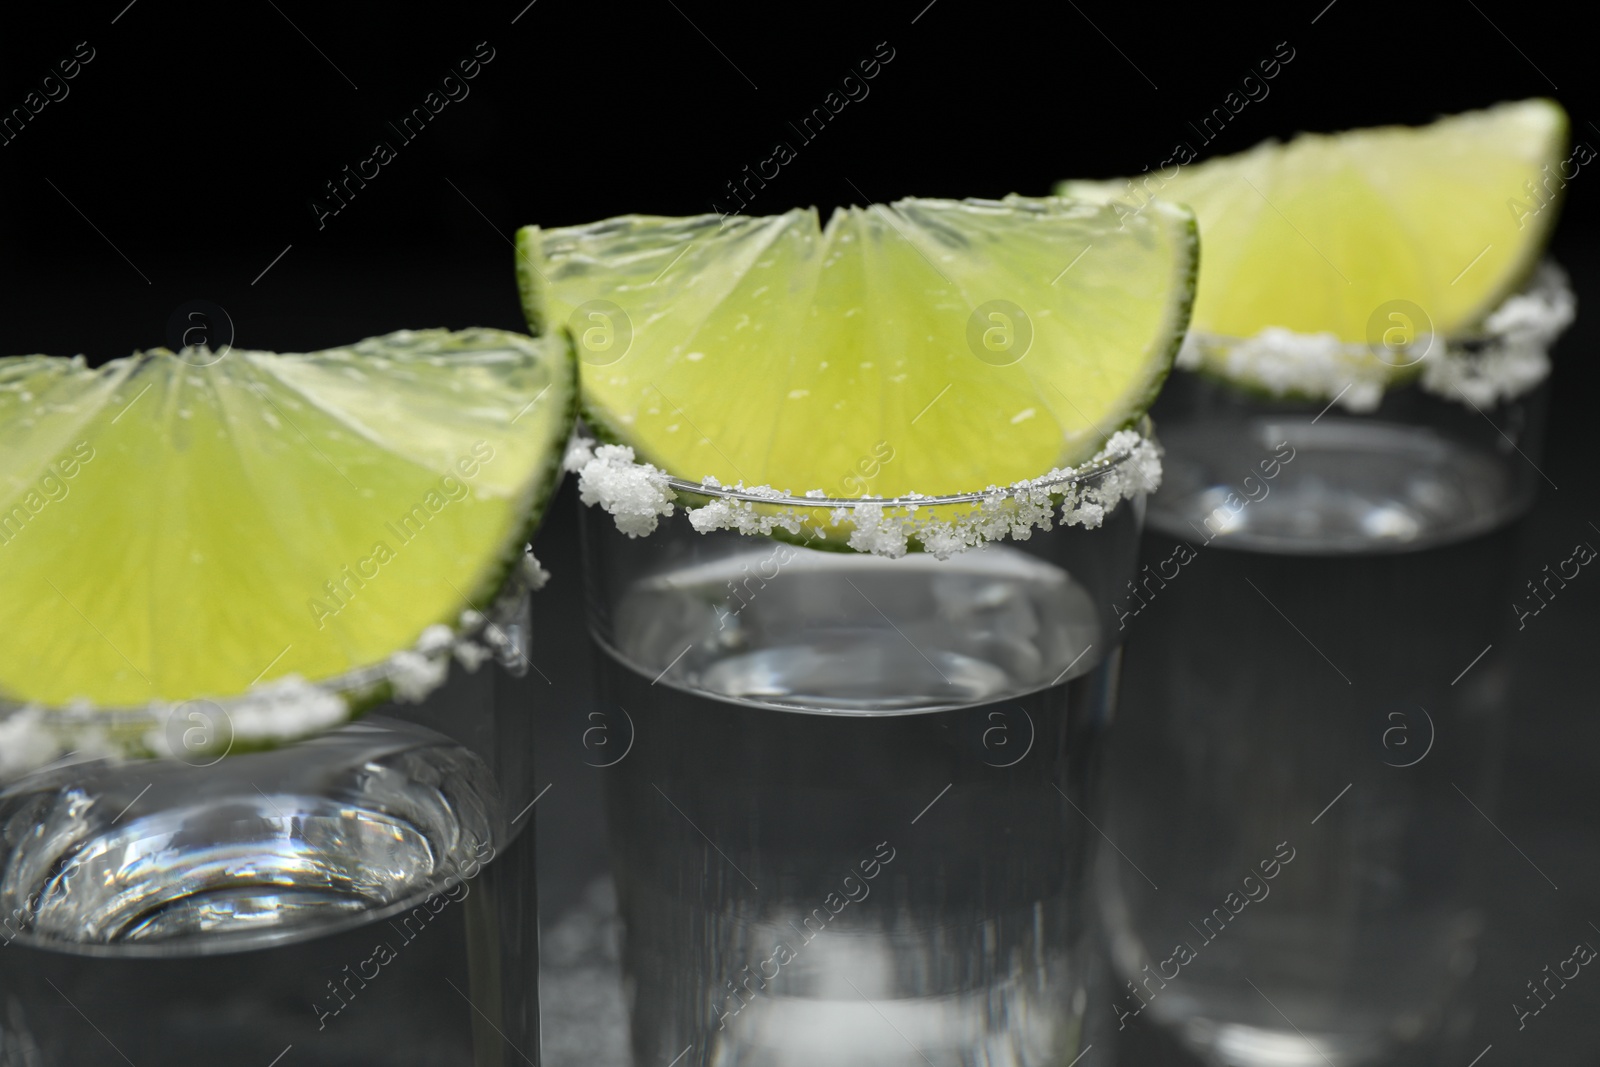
<point x="362" y="896"/>
<point x="852" y="825"/>
<point x="1306" y="759"/>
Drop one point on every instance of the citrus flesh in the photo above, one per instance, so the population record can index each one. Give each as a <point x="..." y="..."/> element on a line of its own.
<point x="929" y="346"/>
<point x="1324" y="233"/>
<point x="178" y="526"/>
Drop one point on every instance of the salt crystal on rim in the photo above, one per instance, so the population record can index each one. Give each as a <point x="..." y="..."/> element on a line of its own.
<point x="25" y="743"/>
<point x="1128" y="464"/>
<point x="1507" y="360"/>
<point x="285" y="707"/>
<point x="635" y="494"/>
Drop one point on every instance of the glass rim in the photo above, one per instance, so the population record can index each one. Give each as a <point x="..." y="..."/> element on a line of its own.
<point x="1062" y="478"/>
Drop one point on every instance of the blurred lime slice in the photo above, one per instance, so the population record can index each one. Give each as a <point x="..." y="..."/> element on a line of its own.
<point x="1339" y="234"/>
<point x="178" y="526"/>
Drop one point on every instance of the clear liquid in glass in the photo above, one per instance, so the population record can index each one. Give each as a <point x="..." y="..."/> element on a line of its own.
<point x="849" y="827"/>
<point x="1309" y="654"/>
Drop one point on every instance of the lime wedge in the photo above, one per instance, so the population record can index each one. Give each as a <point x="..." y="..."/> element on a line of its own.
<point x="184" y="526"/>
<point x="1335" y="234"/>
<point x="931" y="346"/>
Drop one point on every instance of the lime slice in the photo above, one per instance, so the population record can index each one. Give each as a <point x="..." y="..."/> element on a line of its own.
<point x="1375" y="236"/>
<point x="183" y="526"/>
<point x="932" y="346"/>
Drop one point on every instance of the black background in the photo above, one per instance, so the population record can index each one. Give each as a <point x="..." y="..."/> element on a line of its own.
<point x="197" y="138"/>
<point x="185" y="158"/>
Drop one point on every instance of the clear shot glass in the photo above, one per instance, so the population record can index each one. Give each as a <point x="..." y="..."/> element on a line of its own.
<point x="1306" y="757"/>
<point x="850" y="820"/>
<point x="362" y="896"/>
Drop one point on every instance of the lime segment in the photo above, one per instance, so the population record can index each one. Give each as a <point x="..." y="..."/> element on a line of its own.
<point x="1339" y="233"/>
<point x="178" y="526"/>
<point x="929" y="346"/>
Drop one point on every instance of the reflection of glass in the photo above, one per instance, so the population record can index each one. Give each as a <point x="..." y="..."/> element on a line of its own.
<point x="845" y="831"/>
<point x="1307" y="723"/>
<point x="347" y="895"/>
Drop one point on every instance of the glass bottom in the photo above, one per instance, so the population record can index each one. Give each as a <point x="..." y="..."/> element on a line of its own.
<point x="326" y="895"/>
<point x="196" y="860"/>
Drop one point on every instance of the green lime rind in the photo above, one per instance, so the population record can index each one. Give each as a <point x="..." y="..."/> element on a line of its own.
<point x="1187" y="288"/>
<point x="532" y="284"/>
